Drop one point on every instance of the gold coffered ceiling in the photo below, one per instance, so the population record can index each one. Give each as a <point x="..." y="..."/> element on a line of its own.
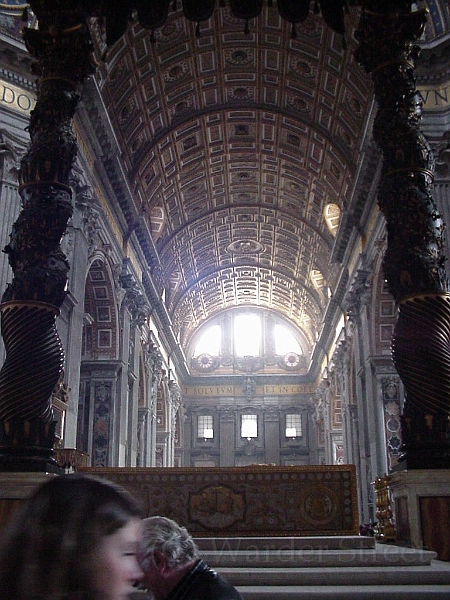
<point x="242" y="140"/>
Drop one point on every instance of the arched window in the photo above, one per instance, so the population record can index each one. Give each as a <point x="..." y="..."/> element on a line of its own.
<point x="285" y="341"/>
<point x="317" y="279"/>
<point x="332" y="214"/>
<point x="209" y="342"/>
<point x="244" y="338"/>
<point x="247" y="334"/>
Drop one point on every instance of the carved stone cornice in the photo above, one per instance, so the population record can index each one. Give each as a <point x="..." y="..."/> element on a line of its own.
<point x="10" y="150"/>
<point x="90" y="220"/>
<point x="433" y="64"/>
<point x="175" y="393"/>
<point x="351" y="215"/>
<point x="154" y="361"/>
<point x="113" y="176"/>
<point x="227" y="414"/>
<point x="359" y="293"/>
<point x="442" y="152"/>
<point x="135" y="299"/>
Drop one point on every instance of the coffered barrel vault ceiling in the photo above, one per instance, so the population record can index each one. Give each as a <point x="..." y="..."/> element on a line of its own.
<point x="234" y="143"/>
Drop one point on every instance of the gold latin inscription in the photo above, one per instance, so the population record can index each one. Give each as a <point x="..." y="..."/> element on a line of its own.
<point x="16" y="99"/>
<point x="435" y="98"/>
<point x="236" y="390"/>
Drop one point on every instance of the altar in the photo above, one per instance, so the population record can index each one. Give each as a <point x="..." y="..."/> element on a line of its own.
<point x="259" y="500"/>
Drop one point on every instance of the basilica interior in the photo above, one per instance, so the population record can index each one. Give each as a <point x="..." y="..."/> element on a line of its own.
<point x="223" y="234"/>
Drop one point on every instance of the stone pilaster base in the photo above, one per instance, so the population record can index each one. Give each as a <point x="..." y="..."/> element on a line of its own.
<point x="14" y="488"/>
<point x="421" y="503"/>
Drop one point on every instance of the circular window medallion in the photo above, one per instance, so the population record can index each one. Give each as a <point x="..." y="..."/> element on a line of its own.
<point x="205" y="361"/>
<point x="291" y="360"/>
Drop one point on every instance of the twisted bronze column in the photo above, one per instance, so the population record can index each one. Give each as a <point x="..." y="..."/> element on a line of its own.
<point x="30" y="304"/>
<point x="414" y="261"/>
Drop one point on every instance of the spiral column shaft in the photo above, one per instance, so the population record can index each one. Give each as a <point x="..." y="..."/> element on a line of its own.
<point x="34" y="354"/>
<point x="414" y="260"/>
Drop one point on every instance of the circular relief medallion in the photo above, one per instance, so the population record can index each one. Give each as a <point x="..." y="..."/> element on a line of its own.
<point x="319" y="506"/>
<point x="205" y="361"/>
<point x="216" y="507"/>
<point x="176" y="72"/>
<point x="304" y="68"/>
<point x="245" y="247"/>
<point x="239" y="57"/>
<point x="291" y="360"/>
<point x="299" y="104"/>
<point x="393" y="425"/>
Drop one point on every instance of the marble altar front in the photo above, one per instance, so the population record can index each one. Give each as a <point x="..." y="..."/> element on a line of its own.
<point x="247" y="501"/>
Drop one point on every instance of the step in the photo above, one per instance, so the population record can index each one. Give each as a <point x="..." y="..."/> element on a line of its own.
<point x="327" y="568"/>
<point x="339" y="576"/>
<point x="378" y="592"/>
<point x="381" y="555"/>
<point x="286" y="543"/>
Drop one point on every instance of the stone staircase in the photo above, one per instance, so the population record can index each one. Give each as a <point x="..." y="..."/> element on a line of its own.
<point x="329" y="568"/>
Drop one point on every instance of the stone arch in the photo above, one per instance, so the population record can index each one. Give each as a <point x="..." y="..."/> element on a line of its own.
<point x="99" y="365"/>
<point x="101" y="325"/>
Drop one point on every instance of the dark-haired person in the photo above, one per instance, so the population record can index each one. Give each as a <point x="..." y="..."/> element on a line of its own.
<point x="75" y="539"/>
<point x="173" y="569"/>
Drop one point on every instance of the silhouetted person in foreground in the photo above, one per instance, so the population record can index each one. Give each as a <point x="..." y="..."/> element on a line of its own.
<point x="173" y="569"/>
<point x="75" y="539"/>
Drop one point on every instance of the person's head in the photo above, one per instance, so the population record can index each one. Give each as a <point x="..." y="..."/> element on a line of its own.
<point x="166" y="551"/>
<point x="75" y="539"/>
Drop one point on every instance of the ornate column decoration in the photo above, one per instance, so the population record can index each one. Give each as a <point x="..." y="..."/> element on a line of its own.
<point x="318" y="417"/>
<point x="134" y="297"/>
<point x="391" y="411"/>
<point x="30" y="304"/>
<point x="358" y="295"/>
<point x="177" y="409"/>
<point x="153" y="362"/>
<point x="414" y="260"/>
<point x="154" y="366"/>
<point x="89" y="216"/>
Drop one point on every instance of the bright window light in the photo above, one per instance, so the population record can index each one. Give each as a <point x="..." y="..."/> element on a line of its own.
<point x="249" y="426"/>
<point x="332" y="216"/>
<point x="247" y="335"/>
<point x="209" y="342"/>
<point x="285" y="341"/>
<point x="293" y="425"/>
<point x="205" y="427"/>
